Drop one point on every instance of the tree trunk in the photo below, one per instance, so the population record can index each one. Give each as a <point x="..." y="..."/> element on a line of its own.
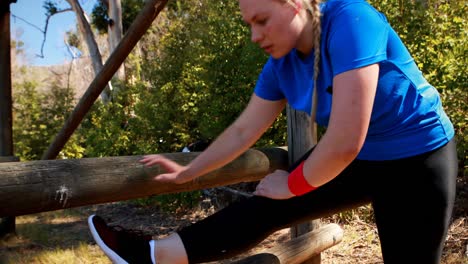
<point x="115" y="32"/>
<point x="87" y="34"/>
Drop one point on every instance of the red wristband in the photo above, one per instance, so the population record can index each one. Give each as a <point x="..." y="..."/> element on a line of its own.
<point x="297" y="183"/>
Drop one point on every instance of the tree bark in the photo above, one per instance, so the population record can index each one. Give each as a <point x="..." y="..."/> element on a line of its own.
<point x="87" y="33"/>
<point x="115" y="32"/>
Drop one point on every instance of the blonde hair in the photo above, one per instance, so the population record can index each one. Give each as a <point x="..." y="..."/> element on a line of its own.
<point x="313" y="7"/>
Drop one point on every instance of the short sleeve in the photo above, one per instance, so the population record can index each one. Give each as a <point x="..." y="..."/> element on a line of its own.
<point x="358" y="37"/>
<point x="267" y="86"/>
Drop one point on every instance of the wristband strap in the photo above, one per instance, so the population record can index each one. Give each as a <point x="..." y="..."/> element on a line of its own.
<point x="297" y="183"/>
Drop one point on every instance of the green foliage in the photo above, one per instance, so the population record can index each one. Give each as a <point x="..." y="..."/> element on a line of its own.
<point x="364" y="213"/>
<point x="28" y="132"/>
<point x="457" y="108"/>
<point x="206" y="69"/>
<point x="37" y="118"/>
<point x="106" y="129"/>
<point x="201" y="73"/>
<point x="50" y="7"/>
<point x="73" y="39"/>
<point x="436" y="36"/>
<point x="130" y="10"/>
<point x="100" y="19"/>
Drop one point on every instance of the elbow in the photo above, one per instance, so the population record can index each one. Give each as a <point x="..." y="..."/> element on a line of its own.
<point x="347" y="147"/>
<point x="351" y="146"/>
<point x="350" y="150"/>
<point x="244" y="136"/>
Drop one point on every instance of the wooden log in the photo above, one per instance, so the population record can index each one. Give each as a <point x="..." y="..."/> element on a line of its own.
<point x="46" y="185"/>
<point x="299" y="249"/>
<point x="261" y="258"/>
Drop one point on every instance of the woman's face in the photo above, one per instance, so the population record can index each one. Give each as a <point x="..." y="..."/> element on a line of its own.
<point x="276" y="26"/>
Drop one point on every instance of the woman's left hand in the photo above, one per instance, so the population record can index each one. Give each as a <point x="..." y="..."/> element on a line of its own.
<point x="275" y="186"/>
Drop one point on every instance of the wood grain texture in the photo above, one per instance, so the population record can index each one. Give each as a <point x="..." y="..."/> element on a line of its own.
<point x="299" y="249"/>
<point x="46" y="185"/>
<point x="302" y="136"/>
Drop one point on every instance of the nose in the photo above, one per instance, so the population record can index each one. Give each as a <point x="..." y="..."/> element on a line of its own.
<point x="256" y="34"/>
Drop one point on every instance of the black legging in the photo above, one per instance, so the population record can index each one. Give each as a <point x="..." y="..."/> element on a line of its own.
<point x="412" y="199"/>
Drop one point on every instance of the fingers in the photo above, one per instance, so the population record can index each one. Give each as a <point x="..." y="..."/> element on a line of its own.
<point x="151" y="160"/>
<point x="262" y="190"/>
<point x="163" y="178"/>
<point x="170" y="178"/>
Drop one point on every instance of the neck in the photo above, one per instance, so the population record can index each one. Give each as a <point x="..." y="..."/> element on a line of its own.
<point x="305" y="44"/>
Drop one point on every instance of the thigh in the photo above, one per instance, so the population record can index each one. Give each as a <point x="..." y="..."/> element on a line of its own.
<point x="414" y="211"/>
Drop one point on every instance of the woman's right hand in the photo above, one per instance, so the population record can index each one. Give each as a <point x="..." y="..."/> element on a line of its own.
<point x="174" y="171"/>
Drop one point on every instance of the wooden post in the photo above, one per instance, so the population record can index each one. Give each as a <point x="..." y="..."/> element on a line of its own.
<point x="7" y="224"/>
<point x="6" y="117"/>
<point x="138" y="28"/>
<point x="302" y="136"/>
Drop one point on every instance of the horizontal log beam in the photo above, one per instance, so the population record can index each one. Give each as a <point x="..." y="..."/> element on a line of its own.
<point x="47" y="185"/>
<point x="299" y="249"/>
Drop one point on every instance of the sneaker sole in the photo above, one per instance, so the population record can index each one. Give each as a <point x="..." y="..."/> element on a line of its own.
<point x="116" y="259"/>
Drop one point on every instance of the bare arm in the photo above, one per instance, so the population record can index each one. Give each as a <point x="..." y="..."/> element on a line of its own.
<point x="353" y="98"/>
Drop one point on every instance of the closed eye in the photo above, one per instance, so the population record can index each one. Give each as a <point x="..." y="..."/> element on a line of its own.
<point x="261" y="21"/>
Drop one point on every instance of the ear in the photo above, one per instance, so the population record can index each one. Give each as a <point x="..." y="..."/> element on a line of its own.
<point x="297" y="6"/>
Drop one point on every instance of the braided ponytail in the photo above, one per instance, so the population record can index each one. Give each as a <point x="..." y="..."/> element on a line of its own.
<point x="313" y="6"/>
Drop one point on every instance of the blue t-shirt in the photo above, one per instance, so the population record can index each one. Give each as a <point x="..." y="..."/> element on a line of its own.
<point x="407" y="117"/>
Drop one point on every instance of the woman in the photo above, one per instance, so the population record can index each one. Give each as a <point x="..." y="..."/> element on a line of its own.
<point x="388" y="141"/>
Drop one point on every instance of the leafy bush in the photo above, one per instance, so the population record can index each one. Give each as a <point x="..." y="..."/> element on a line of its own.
<point x="436" y="35"/>
<point x="38" y="117"/>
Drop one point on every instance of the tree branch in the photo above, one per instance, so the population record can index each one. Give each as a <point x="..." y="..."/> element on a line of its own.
<point x="43" y="31"/>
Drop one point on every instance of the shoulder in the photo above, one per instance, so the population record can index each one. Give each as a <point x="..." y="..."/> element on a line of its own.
<point x="352" y="17"/>
<point x="342" y="10"/>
